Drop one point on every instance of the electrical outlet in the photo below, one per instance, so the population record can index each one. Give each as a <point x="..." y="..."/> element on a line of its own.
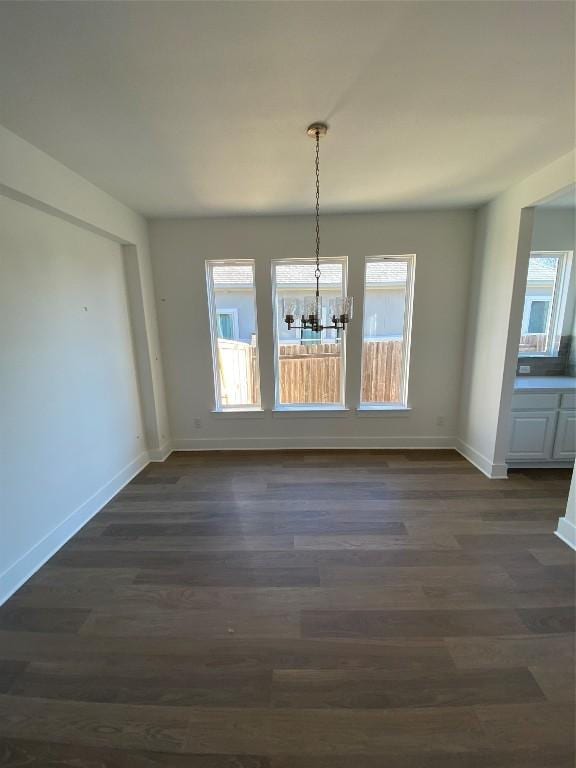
<point x="524" y="369"/>
<point x="198" y="423"/>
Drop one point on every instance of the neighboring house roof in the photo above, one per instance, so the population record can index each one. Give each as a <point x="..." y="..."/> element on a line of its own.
<point x="302" y="274"/>
<point x="377" y="273"/>
<point x="231" y="275"/>
<point x="542" y="269"/>
<point x="382" y="272"/>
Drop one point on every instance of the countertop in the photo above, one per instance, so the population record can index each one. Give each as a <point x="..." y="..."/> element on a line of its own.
<point x="545" y="384"/>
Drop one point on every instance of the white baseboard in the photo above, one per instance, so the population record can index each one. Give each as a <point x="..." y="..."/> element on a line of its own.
<point x="566" y="531"/>
<point x="481" y="462"/>
<point x="160" y="454"/>
<point x="20" y="571"/>
<point x="321" y="443"/>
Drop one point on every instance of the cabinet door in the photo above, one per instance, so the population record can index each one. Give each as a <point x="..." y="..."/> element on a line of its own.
<point x="532" y="435"/>
<point x="565" y="443"/>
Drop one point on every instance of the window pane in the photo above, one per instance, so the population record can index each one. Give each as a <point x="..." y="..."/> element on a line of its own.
<point x="309" y="365"/>
<point x="386" y="343"/>
<point x="538" y="317"/>
<point x="225" y="326"/>
<point x="541" y="285"/>
<point x="234" y="340"/>
<point x="310" y="337"/>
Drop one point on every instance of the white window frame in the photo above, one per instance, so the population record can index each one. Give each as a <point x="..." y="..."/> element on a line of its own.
<point x="219" y="407"/>
<point x="559" y="298"/>
<point x="233" y="312"/>
<point x="278" y="406"/>
<point x="410" y="260"/>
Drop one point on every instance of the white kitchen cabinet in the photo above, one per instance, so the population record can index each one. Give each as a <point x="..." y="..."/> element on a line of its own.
<point x="543" y="429"/>
<point x="537" y="401"/>
<point x="565" y="442"/>
<point x="532" y="435"/>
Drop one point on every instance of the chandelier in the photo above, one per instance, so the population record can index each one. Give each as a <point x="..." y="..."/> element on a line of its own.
<point x="309" y="311"/>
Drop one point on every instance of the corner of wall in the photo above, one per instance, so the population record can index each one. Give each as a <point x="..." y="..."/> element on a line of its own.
<point x="160" y="454"/>
<point x="567" y="525"/>
<point x="481" y="462"/>
<point x="566" y="531"/>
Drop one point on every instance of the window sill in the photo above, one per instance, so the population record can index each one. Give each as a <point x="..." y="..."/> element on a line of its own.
<point x="329" y="411"/>
<point x="538" y="355"/>
<point x="389" y="411"/>
<point x="239" y="413"/>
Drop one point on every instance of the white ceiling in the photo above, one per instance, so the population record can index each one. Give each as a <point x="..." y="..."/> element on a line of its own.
<point x="201" y="107"/>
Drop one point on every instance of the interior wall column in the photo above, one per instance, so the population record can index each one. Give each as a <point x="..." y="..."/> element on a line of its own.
<point x="567" y="525"/>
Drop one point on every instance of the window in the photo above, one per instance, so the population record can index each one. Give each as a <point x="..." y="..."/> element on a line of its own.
<point x="309" y="366"/>
<point x="388" y="290"/>
<point x="227" y="323"/>
<point x="232" y="305"/>
<point x="544" y="303"/>
<point x="538" y="320"/>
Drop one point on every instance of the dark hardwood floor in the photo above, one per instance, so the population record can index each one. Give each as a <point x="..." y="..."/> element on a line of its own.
<point x="300" y="610"/>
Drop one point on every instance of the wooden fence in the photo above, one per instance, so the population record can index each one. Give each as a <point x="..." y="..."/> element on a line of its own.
<point x="310" y="373"/>
<point x="238" y="372"/>
<point x="533" y="343"/>
<point x="382" y="366"/>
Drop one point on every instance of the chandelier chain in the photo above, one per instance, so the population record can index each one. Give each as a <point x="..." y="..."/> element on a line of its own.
<point x="301" y="314"/>
<point x="317" y="272"/>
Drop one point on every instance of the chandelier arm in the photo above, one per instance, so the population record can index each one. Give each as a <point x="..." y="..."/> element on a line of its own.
<point x="339" y="325"/>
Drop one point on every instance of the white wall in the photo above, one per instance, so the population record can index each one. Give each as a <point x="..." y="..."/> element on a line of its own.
<point x="554" y="229"/>
<point x="503" y="242"/>
<point x="69" y="406"/>
<point x="81" y="392"/>
<point x="31" y="176"/>
<point x="442" y="242"/>
<point x="243" y="302"/>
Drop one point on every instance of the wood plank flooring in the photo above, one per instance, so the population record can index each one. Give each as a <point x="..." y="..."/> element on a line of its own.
<point x="357" y="609"/>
